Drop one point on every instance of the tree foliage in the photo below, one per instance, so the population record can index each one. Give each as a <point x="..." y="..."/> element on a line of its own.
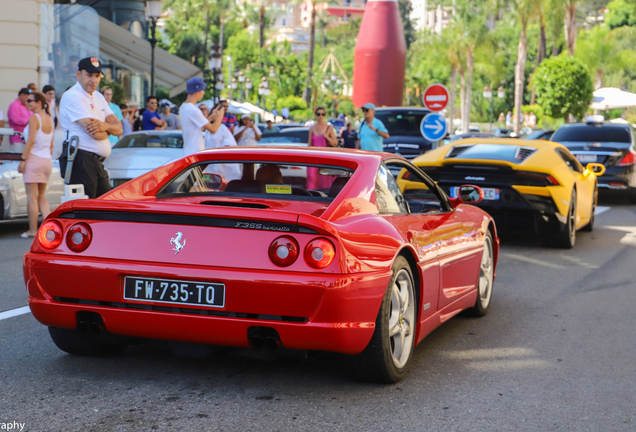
<point x="563" y="87"/>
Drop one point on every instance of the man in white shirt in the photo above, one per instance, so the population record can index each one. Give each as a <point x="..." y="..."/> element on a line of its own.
<point x="222" y="138"/>
<point x="193" y="122"/>
<point x="247" y="133"/>
<point x="85" y="113"/>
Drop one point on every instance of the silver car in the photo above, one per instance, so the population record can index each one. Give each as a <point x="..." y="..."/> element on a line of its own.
<point x="141" y="152"/>
<point x="13" y="199"/>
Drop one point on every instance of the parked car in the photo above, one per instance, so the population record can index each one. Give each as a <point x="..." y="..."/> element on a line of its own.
<point x="405" y="135"/>
<point x="13" y="200"/>
<point x="539" y="134"/>
<point x="140" y="152"/>
<point x="609" y="144"/>
<point x="366" y="267"/>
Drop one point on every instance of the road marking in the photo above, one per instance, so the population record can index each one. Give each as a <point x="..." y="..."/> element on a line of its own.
<point x="630" y="234"/>
<point x="14" y="312"/>
<point x="489" y="353"/>
<point x="578" y="261"/>
<point x="535" y="261"/>
<point x="600" y="210"/>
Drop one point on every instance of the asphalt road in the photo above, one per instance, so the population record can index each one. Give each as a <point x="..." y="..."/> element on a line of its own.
<point x="555" y="353"/>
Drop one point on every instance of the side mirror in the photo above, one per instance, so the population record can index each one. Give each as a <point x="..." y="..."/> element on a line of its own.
<point x="213" y="181"/>
<point x="596" y="168"/>
<point x="468" y="194"/>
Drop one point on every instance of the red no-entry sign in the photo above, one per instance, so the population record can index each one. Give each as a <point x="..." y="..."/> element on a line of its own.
<point x="435" y="97"/>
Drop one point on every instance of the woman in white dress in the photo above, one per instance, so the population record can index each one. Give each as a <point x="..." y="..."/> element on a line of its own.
<point x="36" y="164"/>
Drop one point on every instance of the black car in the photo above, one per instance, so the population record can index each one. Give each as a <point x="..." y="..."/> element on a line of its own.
<point x="405" y="136"/>
<point x="609" y="144"/>
<point x="539" y="134"/>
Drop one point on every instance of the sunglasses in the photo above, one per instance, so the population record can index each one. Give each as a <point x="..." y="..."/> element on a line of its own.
<point x="365" y="109"/>
<point x="30" y="100"/>
<point x="321" y="114"/>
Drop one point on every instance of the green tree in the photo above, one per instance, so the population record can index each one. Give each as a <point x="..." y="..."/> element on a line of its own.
<point x="563" y="86"/>
<point x="620" y="13"/>
<point x="405" y="13"/>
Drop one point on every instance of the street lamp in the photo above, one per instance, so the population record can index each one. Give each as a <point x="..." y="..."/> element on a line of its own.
<point x="488" y="95"/>
<point x="229" y="76"/>
<point x="248" y="88"/>
<point x="220" y="85"/>
<point x="153" y="12"/>
<point x="501" y="92"/>
<point x="333" y="83"/>
<point x="272" y="72"/>
<point x="215" y="63"/>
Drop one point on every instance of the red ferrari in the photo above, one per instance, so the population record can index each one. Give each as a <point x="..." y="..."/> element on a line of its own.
<point x="311" y="249"/>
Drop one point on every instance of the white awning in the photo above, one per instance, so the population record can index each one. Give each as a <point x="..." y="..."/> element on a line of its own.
<point x="124" y="48"/>
<point x="611" y="98"/>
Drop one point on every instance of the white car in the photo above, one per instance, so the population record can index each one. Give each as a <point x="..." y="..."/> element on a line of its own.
<point x="141" y="152"/>
<point x="13" y="199"/>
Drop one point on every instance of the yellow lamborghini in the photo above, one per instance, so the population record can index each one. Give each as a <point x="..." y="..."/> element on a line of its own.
<point x="531" y="186"/>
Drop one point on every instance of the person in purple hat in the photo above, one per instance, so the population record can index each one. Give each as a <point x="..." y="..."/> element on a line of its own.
<point x="193" y="122"/>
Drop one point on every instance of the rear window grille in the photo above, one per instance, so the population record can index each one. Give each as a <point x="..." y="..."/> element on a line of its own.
<point x="456" y="151"/>
<point x="523" y="153"/>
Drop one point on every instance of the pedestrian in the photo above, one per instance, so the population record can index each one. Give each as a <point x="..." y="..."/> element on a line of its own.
<point x="1" y="126"/>
<point x="222" y="138"/>
<point x="532" y="120"/>
<point x="230" y="121"/>
<point x="151" y="118"/>
<point x="270" y="128"/>
<point x="18" y="115"/>
<point x="126" y="123"/>
<point x="321" y="134"/>
<point x="85" y="113"/>
<point x="172" y="120"/>
<point x="107" y="92"/>
<point x="36" y="164"/>
<point x="275" y="114"/>
<point x="509" y="119"/>
<point x="49" y="94"/>
<point x="285" y="113"/>
<point x="138" y="124"/>
<point x="192" y="119"/>
<point x="502" y="118"/>
<point x="32" y="87"/>
<point x="349" y="137"/>
<point x="247" y="133"/>
<point x="372" y="131"/>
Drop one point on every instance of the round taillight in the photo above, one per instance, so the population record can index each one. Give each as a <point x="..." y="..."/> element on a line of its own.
<point x="50" y="234"/>
<point x="283" y="251"/>
<point x="79" y="237"/>
<point x="319" y="253"/>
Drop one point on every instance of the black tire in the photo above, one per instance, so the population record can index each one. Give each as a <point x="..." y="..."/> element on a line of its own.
<point x="486" y="280"/>
<point x="632" y="195"/>
<point x="377" y="363"/>
<point x="565" y="236"/>
<point x="73" y="342"/>
<point x="590" y="225"/>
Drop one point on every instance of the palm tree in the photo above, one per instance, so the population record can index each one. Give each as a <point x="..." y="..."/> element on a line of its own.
<point x="570" y="25"/>
<point x="312" y="46"/>
<point x="323" y="22"/>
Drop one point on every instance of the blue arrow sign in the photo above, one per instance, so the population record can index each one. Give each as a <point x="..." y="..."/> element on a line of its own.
<point x="433" y="127"/>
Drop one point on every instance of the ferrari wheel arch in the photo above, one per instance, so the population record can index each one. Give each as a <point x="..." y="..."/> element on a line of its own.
<point x="415" y="271"/>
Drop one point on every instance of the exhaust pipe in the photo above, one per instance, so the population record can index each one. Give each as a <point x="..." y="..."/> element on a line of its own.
<point x="257" y="341"/>
<point x="271" y="343"/>
<point x="82" y="327"/>
<point x="94" y="328"/>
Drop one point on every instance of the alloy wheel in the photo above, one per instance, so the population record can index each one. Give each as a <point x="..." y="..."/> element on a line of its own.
<point x="402" y="318"/>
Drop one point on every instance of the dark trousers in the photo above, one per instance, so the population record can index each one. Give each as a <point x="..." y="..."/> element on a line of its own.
<point x="89" y="171"/>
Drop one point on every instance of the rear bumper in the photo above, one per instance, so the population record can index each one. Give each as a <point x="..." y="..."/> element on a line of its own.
<point x="618" y="178"/>
<point x="309" y="311"/>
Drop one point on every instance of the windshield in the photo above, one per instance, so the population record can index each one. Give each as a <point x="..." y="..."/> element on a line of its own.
<point x="296" y="137"/>
<point x="402" y="122"/>
<point x="259" y="180"/>
<point x="173" y="140"/>
<point x="590" y="133"/>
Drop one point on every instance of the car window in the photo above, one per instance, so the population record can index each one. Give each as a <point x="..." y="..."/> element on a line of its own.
<point x="590" y="133"/>
<point x="284" y="180"/>
<point x="570" y="160"/>
<point x="418" y="190"/>
<point x="388" y="196"/>
<point x="402" y="122"/>
<point x="151" y="141"/>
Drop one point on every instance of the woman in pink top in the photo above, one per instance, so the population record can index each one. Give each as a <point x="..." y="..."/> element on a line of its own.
<point x="19" y="114"/>
<point x="321" y="134"/>
<point x="36" y="164"/>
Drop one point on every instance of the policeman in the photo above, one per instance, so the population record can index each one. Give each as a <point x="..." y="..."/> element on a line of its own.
<point x="85" y="113"/>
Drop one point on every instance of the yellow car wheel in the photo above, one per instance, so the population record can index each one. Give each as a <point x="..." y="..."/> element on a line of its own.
<point x="565" y="237"/>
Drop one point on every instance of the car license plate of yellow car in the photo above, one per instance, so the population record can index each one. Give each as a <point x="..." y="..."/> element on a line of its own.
<point x="490" y="194"/>
<point x="587" y="158"/>
<point x="174" y="291"/>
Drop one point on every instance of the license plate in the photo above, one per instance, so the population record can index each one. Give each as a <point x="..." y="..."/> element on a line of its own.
<point x="587" y="158"/>
<point x="208" y="294"/>
<point x="490" y="194"/>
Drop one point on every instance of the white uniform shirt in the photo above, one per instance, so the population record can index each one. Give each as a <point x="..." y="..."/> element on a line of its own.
<point x="248" y="138"/>
<point x="77" y="104"/>
<point x="192" y="120"/>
